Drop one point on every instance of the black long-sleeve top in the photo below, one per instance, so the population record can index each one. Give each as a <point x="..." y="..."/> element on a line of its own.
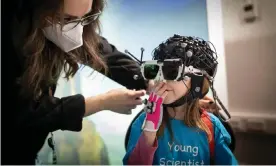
<point x="26" y="123"/>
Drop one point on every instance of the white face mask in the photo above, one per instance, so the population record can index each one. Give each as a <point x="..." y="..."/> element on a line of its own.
<point x="67" y="38"/>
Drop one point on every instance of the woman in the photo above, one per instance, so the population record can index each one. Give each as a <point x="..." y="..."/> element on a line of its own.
<point x="43" y="38"/>
<point x="175" y="130"/>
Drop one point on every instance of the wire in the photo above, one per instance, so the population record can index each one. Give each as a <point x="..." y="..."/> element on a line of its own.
<point x="204" y="57"/>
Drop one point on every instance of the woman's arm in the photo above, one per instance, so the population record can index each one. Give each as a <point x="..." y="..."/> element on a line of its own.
<point x="52" y="114"/>
<point x="121" y="67"/>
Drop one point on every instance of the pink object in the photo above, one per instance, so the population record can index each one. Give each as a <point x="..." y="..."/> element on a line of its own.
<point x="157" y="105"/>
<point x="142" y="154"/>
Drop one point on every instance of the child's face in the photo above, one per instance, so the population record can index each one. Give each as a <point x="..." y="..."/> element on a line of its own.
<point x="176" y="89"/>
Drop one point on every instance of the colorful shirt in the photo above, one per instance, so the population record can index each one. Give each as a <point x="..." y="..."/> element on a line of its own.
<point x="189" y="147"/>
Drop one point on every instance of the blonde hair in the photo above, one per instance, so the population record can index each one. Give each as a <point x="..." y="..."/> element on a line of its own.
<point x="192" y="117"/>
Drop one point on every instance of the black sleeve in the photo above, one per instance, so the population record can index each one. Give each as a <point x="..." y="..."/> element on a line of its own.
<point x="121" y="67"/>
<point x="52" y="114"/>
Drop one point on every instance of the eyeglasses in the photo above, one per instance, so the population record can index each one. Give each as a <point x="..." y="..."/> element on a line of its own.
<point x="86" y="20"/>
<point x="169" y="69"/>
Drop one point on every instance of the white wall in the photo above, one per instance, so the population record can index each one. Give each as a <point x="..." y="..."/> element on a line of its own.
<point x="251" y="65"/>
<point x="250" y="59"/>
<point x="235" y="29"/>
<point x="216" y="36"/>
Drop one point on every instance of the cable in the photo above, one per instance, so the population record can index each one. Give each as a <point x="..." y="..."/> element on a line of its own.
<point x="196" y="52"/>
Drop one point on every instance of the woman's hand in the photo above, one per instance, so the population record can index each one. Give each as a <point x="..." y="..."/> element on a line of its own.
<point x="122" y="100"/>
<point x="208" y="104"/>
<point x="117" y="100"/>
<point x="154" y="108"/>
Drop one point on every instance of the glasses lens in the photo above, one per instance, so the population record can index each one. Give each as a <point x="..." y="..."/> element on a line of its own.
<point x="170" y="70"/>
<point x="150" y="71"/>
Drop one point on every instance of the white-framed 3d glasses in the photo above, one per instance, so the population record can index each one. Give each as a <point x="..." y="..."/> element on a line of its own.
<point x="168" y="69"/>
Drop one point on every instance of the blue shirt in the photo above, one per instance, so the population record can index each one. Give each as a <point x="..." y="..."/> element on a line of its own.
<point x="189" y="147"/>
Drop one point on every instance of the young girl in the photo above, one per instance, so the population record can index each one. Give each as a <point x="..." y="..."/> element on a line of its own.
<point x="174" y="130"/>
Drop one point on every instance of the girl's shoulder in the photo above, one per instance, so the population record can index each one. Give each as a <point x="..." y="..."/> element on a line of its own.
<point x="214" y="119"/>
<point x="219" y="130"/>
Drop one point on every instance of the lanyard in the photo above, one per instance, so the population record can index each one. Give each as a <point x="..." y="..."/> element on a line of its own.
<point x="51" y="144"/>
<point x="51" y="141"/>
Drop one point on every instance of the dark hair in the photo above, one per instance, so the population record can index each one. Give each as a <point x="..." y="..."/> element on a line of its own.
<point x="44" y="61"/>
<point x="202" y="58"/>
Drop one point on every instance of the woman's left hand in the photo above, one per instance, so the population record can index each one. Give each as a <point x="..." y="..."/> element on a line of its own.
<point x="208" y="104"/>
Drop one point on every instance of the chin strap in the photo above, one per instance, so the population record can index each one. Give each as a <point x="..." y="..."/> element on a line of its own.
<point x="194" y="93"/>
<point x="182" y="100"/>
